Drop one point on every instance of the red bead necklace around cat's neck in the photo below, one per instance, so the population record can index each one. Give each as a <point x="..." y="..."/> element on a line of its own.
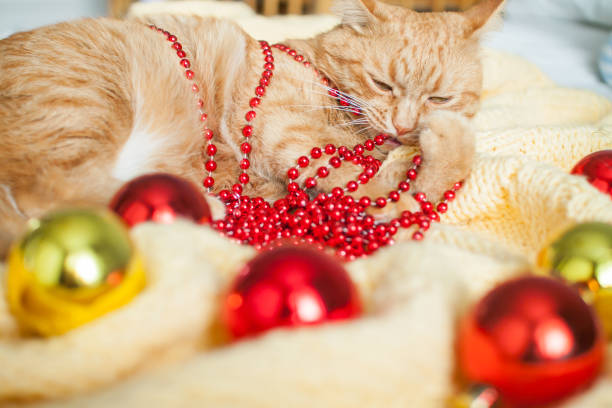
<point x="335" y="219"/>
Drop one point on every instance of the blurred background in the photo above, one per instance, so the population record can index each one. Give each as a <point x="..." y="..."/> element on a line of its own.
<point x="19" y="15"/>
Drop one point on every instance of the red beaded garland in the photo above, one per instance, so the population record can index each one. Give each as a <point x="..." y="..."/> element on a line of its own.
<point x="335" y="220"/>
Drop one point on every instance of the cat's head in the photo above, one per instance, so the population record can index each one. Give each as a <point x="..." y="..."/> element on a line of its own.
<point x="402" y="65"/>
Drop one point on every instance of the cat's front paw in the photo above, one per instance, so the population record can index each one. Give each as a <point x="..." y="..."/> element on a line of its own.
<point x="448" y="148"/>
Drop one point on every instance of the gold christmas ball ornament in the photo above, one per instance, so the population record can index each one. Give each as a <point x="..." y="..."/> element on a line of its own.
<point x="71" y="267"/>
<point x="582" y="256"/>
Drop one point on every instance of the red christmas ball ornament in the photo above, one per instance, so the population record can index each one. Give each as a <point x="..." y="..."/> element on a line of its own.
<point x="160" y="198"/>
<point x="287" y="287"/>
<point x="597" y="168"/>
<point x="533" y="339"/>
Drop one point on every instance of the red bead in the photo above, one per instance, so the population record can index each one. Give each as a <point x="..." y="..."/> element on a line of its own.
<point x="337" y="192"/>
<point x="404" y="186"/>
<point x="420" y="197"/>
<point x="185" y="63"/>
<point x="449" y="195"/>
<point x="299" y="58"/>
<point x="303" y="161"/>
<point x="267" y="74"/>
<point x="243" y="178"/>
<point x="287" y="287"/>
<point x="417" y="236"/>
<point x="189" y="74"/>
<point x="260" y="91"/>
<point x="322" y="172"/>
<point x="195" y="88"/>
<point x="442" y="208"/>
<point x="417" y="160"/>
<point x="254" y="102"/>
<point x="381" y="202"/>
<point x="247" y="131"/>
<point x="181" y="54"/>
<point x="434" y="216"/>
<point x="293" y="53"/>
<point x="352" y="186"/>
<point x="237" y="188"/>
<point x="293" y="187"/>
<point x="369" y="145"/>
<point x="172" y="38"/>
<point x="269" y="58"/>
<point x="200" y="103"/>
<point x="211" y="149"/>
<point x="203" y="117"/>
<point x="177" y="46"/>
<point x="365" y="202"/>
<point x="264" y="81"/>
<point x="533" y="339"/>
<point x="208" y="182"/>
<point x="394" y="196"/>
<point x="245" y="148"/>
<point x="245" y="164"/>
<point x="597" y="168"/>
<point x="160" y="198"/>
<point x="426" y="206"/>
<point x="363" y="178"/>
<point x="269" y="66"/>
<point x="250" y="115"/>
<point x="411" y="174"/>
<point x="211" y="165"/>
<point x="358" y="149"/>
<point x="457" y="185"/>
<point x="310" y="182"/>
<point x="315" y="153"/>
<point x="330" y="149"/>
<point x="208" y="134"/>
<point x="379" y="139"/>
<point x="335" y="162"/>
<point x="224" y="195"/>
<point x="293" y="173"/>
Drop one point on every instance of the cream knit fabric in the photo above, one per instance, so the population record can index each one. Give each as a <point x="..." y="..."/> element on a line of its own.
<point x="162" y="349"/>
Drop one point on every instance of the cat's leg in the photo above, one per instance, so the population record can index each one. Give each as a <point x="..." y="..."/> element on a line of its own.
<point x="448" y="149"/>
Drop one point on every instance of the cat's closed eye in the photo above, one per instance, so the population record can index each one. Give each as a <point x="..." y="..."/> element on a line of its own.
<point x="383" y="86"/>
<point x="439" y="100"/>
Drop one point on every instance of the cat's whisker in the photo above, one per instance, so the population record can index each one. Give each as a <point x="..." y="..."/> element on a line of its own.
<point x="354" y="122"/>
<point x="354" y="100"/>
<point x="336" y="107"/>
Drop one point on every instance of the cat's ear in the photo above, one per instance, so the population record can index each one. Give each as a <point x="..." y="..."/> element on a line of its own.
<point x="356" y="14"/>
<point x="483" y="17"/>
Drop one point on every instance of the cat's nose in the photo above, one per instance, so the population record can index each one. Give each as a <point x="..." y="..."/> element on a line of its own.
<point x="401" y="130"/>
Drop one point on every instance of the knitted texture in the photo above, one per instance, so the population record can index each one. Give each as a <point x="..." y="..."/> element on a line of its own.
<point x="164" y="349"/>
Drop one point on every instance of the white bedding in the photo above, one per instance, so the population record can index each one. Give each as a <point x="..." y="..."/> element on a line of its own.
<point x="565" y="50"/>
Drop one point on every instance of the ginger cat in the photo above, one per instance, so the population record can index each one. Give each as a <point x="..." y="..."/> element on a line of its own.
<point x="88" y="105"/>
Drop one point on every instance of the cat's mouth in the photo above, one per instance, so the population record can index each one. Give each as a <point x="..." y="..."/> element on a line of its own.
<point x="393" y="141"/>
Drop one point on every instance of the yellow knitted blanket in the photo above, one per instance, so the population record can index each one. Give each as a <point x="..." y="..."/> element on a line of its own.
<point x="162" y="349"/>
